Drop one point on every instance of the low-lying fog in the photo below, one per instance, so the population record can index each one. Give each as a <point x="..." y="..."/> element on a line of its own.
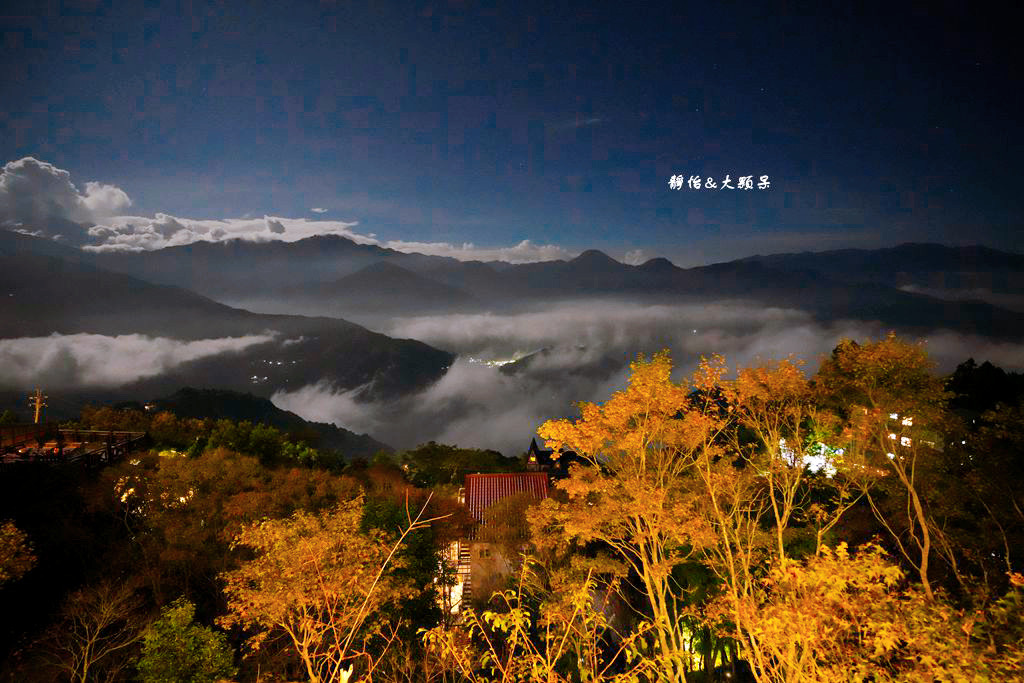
<point x="584" y="351"/>
<point x="81" y="361"/>
<point x="566" y="352"/>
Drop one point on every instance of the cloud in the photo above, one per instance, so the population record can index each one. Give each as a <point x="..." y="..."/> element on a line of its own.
<point x="139" y="233"/>
<point x="472" y="405"/>
<point x="581" y="352"/>
<point x="524" y="252"/>
<point x="105" y="200"/>
<point x="635" y="257"/>
<point x="593" y="324"/>
<point x="1011" y="300"/>
<point x="39" y="197"/>
<point x="93" y="360"/>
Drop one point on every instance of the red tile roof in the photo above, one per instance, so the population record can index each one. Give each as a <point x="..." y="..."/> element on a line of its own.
<point x="484" y="490"/>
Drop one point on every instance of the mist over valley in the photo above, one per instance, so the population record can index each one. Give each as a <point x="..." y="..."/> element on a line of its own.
<point x="412" y="348"/>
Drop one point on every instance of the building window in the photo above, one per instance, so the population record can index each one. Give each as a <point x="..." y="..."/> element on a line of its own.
<point x="485" y="552"/>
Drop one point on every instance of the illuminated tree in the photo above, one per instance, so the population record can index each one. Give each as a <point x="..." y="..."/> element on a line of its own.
<point x="321" y="581"/>
<point x="843" y="616"/>
<point x="568" y="640"/>
<point x="893" y="412"/>
<point x="636" y="496"/>
<point x="710" y="472"/>
<point x="760" y="487"/>
<point x="16" y="557"/>
<point x="184" y="512"/>
<point x="778" y="433"/>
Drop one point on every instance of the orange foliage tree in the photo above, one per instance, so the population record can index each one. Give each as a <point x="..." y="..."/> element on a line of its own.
<point x="320" y="580"/>
<point x="636" y="497"/>
<point x="712" y="471"/>
<point x="16" y="556"/>
<point x="893" y="412"/>
<point x="844" y="616"/>
<point x="184" y="512"/>
<point x="566" y="639"/>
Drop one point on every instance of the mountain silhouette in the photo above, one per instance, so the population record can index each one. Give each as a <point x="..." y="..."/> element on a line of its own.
<point x="912" y="287"/>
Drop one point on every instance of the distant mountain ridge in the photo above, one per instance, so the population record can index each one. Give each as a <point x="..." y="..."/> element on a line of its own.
<point x="906" y="257"/>
<point x="381" y="284"/>
<point x="905" y="262"/>
<point x="960" y="273"/>
<point x="844" y="284"/>
<point x="235" y="266"/>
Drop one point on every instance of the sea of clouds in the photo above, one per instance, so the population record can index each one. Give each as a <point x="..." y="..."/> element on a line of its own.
<point x="589" y="346"/>
<point x="74" y="361"/>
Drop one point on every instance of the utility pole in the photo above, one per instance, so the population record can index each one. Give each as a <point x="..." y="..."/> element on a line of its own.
<point x="38" y="402"/>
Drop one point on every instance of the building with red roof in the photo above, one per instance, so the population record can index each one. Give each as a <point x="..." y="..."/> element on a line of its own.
<point x="484" y="490"/>
<point x="481" y="563"/>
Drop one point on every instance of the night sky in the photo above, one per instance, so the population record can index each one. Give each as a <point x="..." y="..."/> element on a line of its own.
<point x="440" y="124"/>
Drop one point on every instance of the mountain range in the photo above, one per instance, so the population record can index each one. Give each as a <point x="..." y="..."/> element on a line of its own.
<point x="914" y="287"/>
<point x="911" y="287"/>
<point x="382" y="285"/>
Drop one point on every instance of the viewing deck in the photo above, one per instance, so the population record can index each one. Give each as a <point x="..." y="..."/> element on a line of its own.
<point x="48" y="444"/>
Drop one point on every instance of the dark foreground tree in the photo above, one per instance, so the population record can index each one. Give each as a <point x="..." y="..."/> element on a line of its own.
<point x="97" y="633"/>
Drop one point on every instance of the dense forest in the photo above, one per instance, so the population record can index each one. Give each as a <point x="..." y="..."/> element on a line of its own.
<point x="860" y="523"/>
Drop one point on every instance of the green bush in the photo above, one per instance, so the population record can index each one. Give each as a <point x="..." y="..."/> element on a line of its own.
<point x="178" y="650"/>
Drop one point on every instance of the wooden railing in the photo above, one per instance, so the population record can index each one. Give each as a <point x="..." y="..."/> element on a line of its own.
<point x="18" y="435"/>
<point x="94" y="448"/>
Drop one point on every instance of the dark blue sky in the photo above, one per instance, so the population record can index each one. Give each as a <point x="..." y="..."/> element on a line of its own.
<point x="560" y="123"/>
